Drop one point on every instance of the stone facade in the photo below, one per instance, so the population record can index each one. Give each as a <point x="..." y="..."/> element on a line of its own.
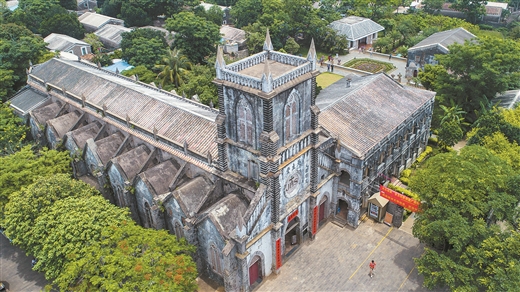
<point x="246" y="184"/>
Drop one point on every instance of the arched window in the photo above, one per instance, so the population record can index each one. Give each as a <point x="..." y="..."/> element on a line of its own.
<point x="292" y="117"/>
<point x="148" y="215"/>
<point x="120" y="196"/>
<point x="245" y="122"/>
<point x="214" y="257"/>
<point x="179" y="233"/>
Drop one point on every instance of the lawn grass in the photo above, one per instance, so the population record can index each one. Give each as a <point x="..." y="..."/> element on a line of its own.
<point x="326" y="79"/>
<point x="369" y="65"/>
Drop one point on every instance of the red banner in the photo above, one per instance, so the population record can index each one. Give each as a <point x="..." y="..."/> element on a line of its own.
<point x="399" y="199"/>
<point x="278" y="253"/>
<point x="315" y="220"/>
<point x="292" y="216"/>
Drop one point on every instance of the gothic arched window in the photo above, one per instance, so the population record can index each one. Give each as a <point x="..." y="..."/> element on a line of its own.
<point x="215" y="260"/>
<point x="292" y="117"/>
<point x="148" y="215"/>
<point x="245" y="122"/>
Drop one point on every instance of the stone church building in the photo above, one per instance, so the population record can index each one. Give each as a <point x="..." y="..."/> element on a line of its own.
<point x="246" y="183"/>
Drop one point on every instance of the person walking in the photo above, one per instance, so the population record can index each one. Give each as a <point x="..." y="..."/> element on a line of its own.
<point x="389" y="56"/>
<point x="332" y="67"/>
<point x="372" y="266"/>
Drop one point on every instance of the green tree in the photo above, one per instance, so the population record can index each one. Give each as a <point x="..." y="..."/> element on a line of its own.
<point x="7" y="80"/>
<point x="26" y="205"/>
<point x="246" y="12"/>
<point x="215" y="15"/>
<point x="432" y="6"/>
<point x="65" y="23"/>
<point x="174" y="65"/>
<point x="477" y="72"/>
<point x="23" y="167"/>
<point x="195" y="36"/>
<point x="45" y="17"/>
<point x="472" y="9"/>
<point x="291" y="46"/>
<point x="143" y="47"/>
<point x="61" y="233"/>
<point x="198" y="81"/>
<point x="12" y="131"/>
<point x="145" y="75"/>
<point x="18" y="46"/>
<point x="133" y="15"/>
<point x="450" y="133"/>
<point x="463" y="196"/>
<point x="69" y="4"/>
<point x="94" y="42"/>
<point x="152" y="260"/>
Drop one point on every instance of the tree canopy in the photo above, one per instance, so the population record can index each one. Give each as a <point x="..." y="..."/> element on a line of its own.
<point x="83" y="242"/>
<point x="45" y="17"/>
<point x="144" y="47"/>
<point x="18" y="46"/>
<point x="478" y="70"/>
<point x="12" y="130"/>
<point x="195" y="36"/>
<point x="152" y="260"/>
<point x="464" y="195"/>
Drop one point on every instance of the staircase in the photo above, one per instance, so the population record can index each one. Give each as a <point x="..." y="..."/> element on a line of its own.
<point x="339" y="221"/>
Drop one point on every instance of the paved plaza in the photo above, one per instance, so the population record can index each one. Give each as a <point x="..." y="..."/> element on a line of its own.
<point x="15" y="269"/>
<point x="337" y="260"/>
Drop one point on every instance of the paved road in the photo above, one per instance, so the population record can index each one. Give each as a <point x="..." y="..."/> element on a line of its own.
<point x="15" y="269"/>
<point x="337" y="260"/>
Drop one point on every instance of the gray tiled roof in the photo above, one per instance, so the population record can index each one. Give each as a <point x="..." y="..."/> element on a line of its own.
<point x="112" y="32"/>
<point x="27" y="99"/>
<point x="355" y="27"/>
<point x="364" y="114"/>
<point x="175" y="118"/>
<point x="61" y="42"/>
<point x="193" y="194"/>
<point x="445" y="39"/>
<point x="233" y="34"/>
<point x="132" y="161"/>
<point x="97" y="20"/>
<point x="160" y="176"/>
<point x="225" y="213"/>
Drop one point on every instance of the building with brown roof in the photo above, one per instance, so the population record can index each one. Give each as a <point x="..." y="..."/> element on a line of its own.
<point x="247" y="183"/>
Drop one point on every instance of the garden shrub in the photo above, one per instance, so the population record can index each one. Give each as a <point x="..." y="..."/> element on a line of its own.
<point x="405" y="192"/>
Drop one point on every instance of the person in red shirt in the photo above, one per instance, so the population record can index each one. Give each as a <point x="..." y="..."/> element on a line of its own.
<point x="372" y="266"/>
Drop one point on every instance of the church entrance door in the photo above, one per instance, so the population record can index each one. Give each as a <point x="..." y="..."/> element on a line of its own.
<point x="322" y="211"/>
<point x="342" y="211"/>
<point x="292" y="236"/>
<point x="254" y="272"/>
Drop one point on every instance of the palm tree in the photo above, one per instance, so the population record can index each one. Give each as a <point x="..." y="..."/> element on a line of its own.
<point x="172" y="67"/>
<point x="453" y="113"/>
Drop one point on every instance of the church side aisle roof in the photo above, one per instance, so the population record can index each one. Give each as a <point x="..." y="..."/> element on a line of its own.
<point x="173" y="117"/>
<point x="369" y="110"/>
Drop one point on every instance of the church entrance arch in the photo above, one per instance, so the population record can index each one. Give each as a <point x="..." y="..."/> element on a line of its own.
<point x="255" y="271"/>
<point x="292" y="236"/>
<point x="342" y="211"/>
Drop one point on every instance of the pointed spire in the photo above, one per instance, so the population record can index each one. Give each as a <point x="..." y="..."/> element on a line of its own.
<point x="268" y="45"/>
<point x="267" y="78"/>
<point x="220" y="63"/>
<point x="220" y="57"/>
<point x="311" y="56"/>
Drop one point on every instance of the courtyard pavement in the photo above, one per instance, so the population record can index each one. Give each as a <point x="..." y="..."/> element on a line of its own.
<point x="15" y="269"/>
<point x="337" y="260"/>
<point x="399" y="64"/>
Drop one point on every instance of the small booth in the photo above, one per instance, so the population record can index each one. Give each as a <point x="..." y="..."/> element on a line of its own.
<point x="377" y="207"/>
